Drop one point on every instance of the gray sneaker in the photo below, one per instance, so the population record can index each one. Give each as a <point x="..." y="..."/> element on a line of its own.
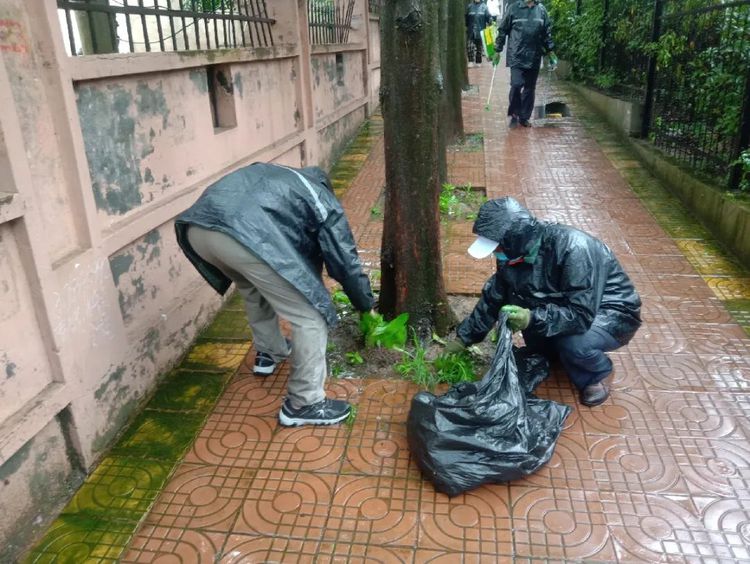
<point x="326" y="412"/>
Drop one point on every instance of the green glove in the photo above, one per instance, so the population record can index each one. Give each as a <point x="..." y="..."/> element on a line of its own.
<point x="495" y="59"/>
<point x="454" y="347"/>
<point x="518" y="317"/>
<point x="552" y="60"/>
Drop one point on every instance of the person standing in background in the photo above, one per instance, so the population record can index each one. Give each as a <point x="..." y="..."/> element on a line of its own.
<point x="477" y="18"/>
<point x="528" y="27"/>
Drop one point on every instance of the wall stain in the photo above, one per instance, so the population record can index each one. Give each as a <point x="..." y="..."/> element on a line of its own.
<point x="10" y="369"/>
<point x="198" y="78"/>
<point x="148" y="176"/>
<point x="119" y="265"/>
<point x="14" y="463"/>
<point x="109" y="140"/>
<point x="114" y="376"/>
<point x="116" y="418"/>
<point x="238" y="84"/>
<point x="151" y="101"/>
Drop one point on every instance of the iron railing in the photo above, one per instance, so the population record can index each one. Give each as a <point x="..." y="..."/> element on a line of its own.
<point x="698" y="101"/>
<point x="375" y="6"/>
<point x="623" y="64"/>
<point x="688" y="61"/>
<point x="329" y="21"/>
<point x="131" y="26"/>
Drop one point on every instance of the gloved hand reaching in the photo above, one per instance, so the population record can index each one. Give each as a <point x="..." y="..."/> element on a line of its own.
<point x="454" y="347"/>
<point x="495" y="59"/>
<point x="518" y="317"/>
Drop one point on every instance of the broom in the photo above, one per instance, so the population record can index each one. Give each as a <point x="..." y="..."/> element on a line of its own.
<point x="488" y="39"/>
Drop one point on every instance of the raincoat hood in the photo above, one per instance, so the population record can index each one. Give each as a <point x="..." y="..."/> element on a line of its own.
<point x="510" y="224"/>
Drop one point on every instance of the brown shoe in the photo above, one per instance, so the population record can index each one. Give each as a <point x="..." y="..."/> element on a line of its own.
<point x="594" y="394"/>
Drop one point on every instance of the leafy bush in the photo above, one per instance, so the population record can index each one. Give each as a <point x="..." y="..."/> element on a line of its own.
<point x="744" y="162"/>
<point x="381" y="333"/>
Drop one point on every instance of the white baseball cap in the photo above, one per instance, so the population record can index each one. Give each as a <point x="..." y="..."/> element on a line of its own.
<point x="482" y="247"/>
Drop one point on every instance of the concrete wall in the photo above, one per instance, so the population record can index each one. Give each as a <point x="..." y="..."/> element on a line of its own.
<point x="98" y="154"/>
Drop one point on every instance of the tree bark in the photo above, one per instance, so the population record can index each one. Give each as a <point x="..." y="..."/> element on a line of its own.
<point x="411" y="91"/>
<point x="456" y="69"/>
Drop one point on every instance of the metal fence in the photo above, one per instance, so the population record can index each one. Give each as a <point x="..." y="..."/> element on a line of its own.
<point x="626" y="26"/>
<point x="698" y="96"/>
<point x="329" y="21"/>
<point x="688" y="61"/>
<point x="131" y="26"/>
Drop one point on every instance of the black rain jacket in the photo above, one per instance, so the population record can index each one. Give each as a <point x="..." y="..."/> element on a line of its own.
<point x="289" y="218"/>
<point x="477" y="18"/>
<point x="530" y="33"/>
<point x="574" y="282"/>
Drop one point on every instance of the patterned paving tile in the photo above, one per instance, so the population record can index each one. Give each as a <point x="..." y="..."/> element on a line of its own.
<point x="634" y="463"/>
<point x="319" y="450"/>
<point x="291" y="505"/>
<point x="477" y="522"/>
<point x="374" y="510"/>
<point x="202" y="497"/>
<point x="232" y="440"/>
<point x="559" y="524"/>
<point x="379" y="448"/>
<point x="711" y="416"/>
<point x="163" y="544"/>
<point x="244" y="549"/>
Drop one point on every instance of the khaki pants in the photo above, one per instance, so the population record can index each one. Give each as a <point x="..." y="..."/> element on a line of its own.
<point x="268" y="296"/>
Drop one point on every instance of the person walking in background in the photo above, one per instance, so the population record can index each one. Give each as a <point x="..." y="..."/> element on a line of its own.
<point x="562" y="288"/>
<point x="494" y="7"/>
<point x="477" y="18"/>
<point x="270" y="229"/>
<point x="528" y="27"/>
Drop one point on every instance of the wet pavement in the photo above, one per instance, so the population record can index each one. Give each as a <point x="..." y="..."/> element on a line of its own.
<point x="661" y="472"/>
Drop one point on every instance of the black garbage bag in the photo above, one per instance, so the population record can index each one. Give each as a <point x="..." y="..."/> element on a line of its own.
<point x="488" y="431"/>
<point x="533" y="368"/>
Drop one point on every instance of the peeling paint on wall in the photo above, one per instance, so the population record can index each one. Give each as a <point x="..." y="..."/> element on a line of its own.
<point x="238" y="84"/>
<point x="119" y="265"/>
<point x="117" y="417"/>
<point x="198" y="77"/>
<point x="110" y="117"/>
<point x="135" y="271"/>
<point x="109" y="138"/>
<point x="112" y="377"/>
<point x="15" y="462"/>
<point x="152" y="102"/>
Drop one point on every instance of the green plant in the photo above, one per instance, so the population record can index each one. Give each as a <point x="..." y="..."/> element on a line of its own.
<point x="354" y="358"/>
<point x="454" y="368"/>
<point x="349" y="422"/>
<point x="330" y="347"/>
<point x="744" y="162"/>
<point x="605" y="80"/>
<point x="376" y="212"/>
<point x="415" y="367"/>
<point x="381" y="333"/>
<point x="448" y="201"/>
<point x="340" y="298"/>
<point x="336" y="370"/>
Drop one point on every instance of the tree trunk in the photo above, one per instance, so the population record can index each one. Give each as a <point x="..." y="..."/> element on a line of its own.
<point x="411" y="265"/>
<point x="456" y="68"/>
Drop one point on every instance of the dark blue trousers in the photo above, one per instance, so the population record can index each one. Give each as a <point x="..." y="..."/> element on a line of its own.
<point x="583" y="356"/>
<point x="522" y="89"/>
